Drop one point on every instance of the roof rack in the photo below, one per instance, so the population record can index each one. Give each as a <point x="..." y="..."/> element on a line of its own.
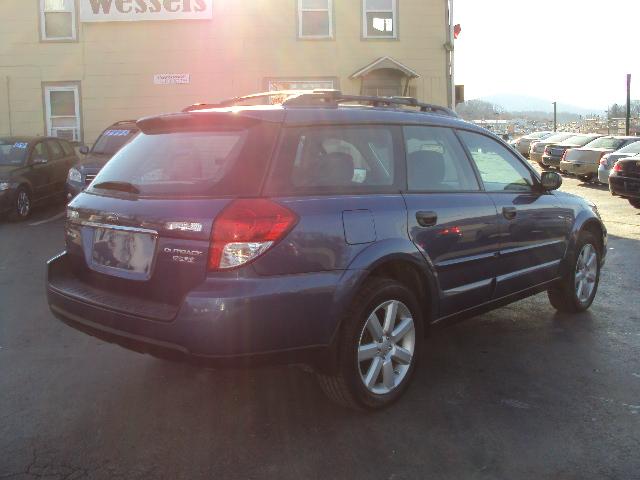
<point x="328" y="98"/>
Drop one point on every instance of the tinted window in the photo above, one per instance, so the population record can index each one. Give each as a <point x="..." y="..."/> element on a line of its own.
<point x="606" y="142"/>
<point x="436" y="161"/>
<point x="113" y="140"/>
<point x="499" y="168"/>
<point x="40" y="152"/>
<point x="55" y="149"/>
<point x="220" y="161"/>
<point x="68" y="149"/>
<point x="12" y="152"/>
<point x="337" y="158"/>
<point x="578" y="140"/>
<point x="632" y="148"/>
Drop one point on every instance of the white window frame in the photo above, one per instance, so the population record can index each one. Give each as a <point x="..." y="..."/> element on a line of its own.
<point x="365" y="23"/>
<point x="71" y="8"/>
<point x="52" y="131"/>
<point x="329" y="11"/>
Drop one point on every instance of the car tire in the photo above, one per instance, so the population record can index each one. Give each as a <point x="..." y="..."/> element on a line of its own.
<point x="635" y="202"/>
<point x="375" y="364"/>
<point x="577" y="289"/>
<point x="22" y="205"/>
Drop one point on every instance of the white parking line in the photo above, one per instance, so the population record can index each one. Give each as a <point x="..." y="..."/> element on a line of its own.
<point x="52" y="219"/>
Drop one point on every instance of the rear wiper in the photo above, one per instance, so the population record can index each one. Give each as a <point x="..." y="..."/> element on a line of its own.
<point x="120" y="186"/>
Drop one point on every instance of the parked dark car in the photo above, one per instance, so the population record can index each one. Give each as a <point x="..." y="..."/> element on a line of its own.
<point x="317" y="232"/>
<point x="625" y="180"/>
<point x="105" y="147"/>
<point x="553" y="153"/>
<point x="32" y="170"/>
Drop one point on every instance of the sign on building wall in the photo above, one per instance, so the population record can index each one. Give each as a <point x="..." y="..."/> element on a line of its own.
<point x="171" y="78"/>
<point x="139" y="10"/>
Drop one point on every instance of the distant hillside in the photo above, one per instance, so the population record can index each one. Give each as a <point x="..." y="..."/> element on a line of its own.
<point x="523" y="103"/>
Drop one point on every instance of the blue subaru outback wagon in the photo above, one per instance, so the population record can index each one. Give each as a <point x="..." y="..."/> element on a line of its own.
<point x="328" y="230"/>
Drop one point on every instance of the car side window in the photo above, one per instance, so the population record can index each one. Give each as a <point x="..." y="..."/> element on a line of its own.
<point x="338" y="157"/>
<point x="499" y="169"/>
<point x="436" y="161"/>
<point x="68" y="149"/>
<point x="40" y="152"/>
<point x="56" y="150"/>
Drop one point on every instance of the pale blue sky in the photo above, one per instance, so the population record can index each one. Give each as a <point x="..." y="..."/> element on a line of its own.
<point x="573" y="51"/>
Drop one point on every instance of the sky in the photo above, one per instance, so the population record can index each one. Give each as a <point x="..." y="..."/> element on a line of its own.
<point x="577" y="52"/>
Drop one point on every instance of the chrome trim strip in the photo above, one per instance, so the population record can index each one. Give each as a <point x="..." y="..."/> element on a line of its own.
<point x="509" y="251"/>
<point x="117" y="227"/>
<point x="519" y="273"/>
<point x="472" y="258"/>
<point x="467" y="288"/>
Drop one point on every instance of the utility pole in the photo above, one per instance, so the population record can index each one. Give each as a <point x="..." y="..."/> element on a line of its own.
<point x="555" y="116"/>
<point x="627" y="129"/>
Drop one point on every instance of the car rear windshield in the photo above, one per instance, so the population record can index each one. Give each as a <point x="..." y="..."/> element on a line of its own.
<point x="632" y="148"/>
<point x="213" y="162"/>
<point x="12" y="152"/>
<point x="606" y="142"/>
<point x="113" y="140"/>
<point x="558" y="137"/>
<point x="578" y="140"/>
<point x="538" y="135"/>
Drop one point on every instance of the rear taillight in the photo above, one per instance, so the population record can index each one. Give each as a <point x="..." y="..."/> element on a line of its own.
<point x="246" y="229"/>
<point x="617" y="167"/>
<point x="547" y="151"/>
<point x="564" y="155"/>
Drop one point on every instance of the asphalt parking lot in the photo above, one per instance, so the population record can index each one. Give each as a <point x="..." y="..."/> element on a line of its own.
<point x="519" y="393"/>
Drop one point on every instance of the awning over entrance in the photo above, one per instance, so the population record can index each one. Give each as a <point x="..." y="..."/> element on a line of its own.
<point x="385" y="63"/>
<point x="386" y="77"/>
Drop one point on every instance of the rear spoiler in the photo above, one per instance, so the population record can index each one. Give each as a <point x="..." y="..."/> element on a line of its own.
<point x="202" y="121"/>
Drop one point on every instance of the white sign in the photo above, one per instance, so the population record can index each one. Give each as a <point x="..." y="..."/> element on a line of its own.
<point x="171" y="78"/>
<point x="138" y="10"/>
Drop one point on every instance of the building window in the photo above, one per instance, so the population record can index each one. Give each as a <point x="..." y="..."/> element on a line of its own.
<point x="315" y="18"/>
<point x="62" y="110"/>
<point x="58" y="20"/>
<point x="380" y="18"/>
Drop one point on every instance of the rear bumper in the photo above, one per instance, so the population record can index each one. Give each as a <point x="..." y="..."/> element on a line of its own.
<point x="7" y="200"/>
<point x="579" y="168"/>
<point x="624" y="186"/>
<point x="551" y="161"/>
<point x="603" y="175"/>
<point x="224" y="321"/>
<point x="536" y="157"/>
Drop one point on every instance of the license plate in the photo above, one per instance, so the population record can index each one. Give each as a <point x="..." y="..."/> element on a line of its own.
<point x="123" y="252"/>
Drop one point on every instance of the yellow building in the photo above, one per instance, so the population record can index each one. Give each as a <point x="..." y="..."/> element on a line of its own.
<point x="69" y="68"/>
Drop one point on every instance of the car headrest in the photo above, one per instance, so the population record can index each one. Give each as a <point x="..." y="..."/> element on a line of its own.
<point x="333" y="169"/>
<point x="426" y="169"/>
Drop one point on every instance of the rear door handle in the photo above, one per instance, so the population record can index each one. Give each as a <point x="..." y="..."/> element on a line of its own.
<point x="427" y="219"/>
<point x="509" y="213"/>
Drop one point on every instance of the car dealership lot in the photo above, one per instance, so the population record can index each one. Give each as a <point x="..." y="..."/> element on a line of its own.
<point x="521" y="392"/>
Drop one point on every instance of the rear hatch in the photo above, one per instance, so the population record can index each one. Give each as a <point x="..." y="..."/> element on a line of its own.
<point x="142" y="229"/>
<point x="629" y="167"/>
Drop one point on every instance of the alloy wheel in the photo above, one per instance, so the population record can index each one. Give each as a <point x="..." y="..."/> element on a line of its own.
<point x="586" y="272"/>
<point x="386" y="347"/>
<point x="23" y="203"/>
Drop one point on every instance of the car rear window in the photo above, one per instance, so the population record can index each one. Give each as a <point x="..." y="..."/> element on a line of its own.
<point x="336" y="159"/>
<point x="606" y="142"/>
<point x="113" y="140"/>
<point x="12" y="152"/>
<point x="218" y="161"/>
<point x="631" y="148"/>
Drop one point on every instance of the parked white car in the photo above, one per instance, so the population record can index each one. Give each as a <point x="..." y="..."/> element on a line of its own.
<point x="610" y="159"/>
<point x="524" y="143"/>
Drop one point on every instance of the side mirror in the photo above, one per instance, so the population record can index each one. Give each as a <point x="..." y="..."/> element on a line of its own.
<point x="84" y="149"/>
<point x="551" y="181"/>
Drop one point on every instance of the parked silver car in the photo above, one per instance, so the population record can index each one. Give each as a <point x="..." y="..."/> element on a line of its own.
<point x="524" y="143"/>
<point x="609" y="160"/>
<point x="537" y="148"/>
<point x="583" y="162"/>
